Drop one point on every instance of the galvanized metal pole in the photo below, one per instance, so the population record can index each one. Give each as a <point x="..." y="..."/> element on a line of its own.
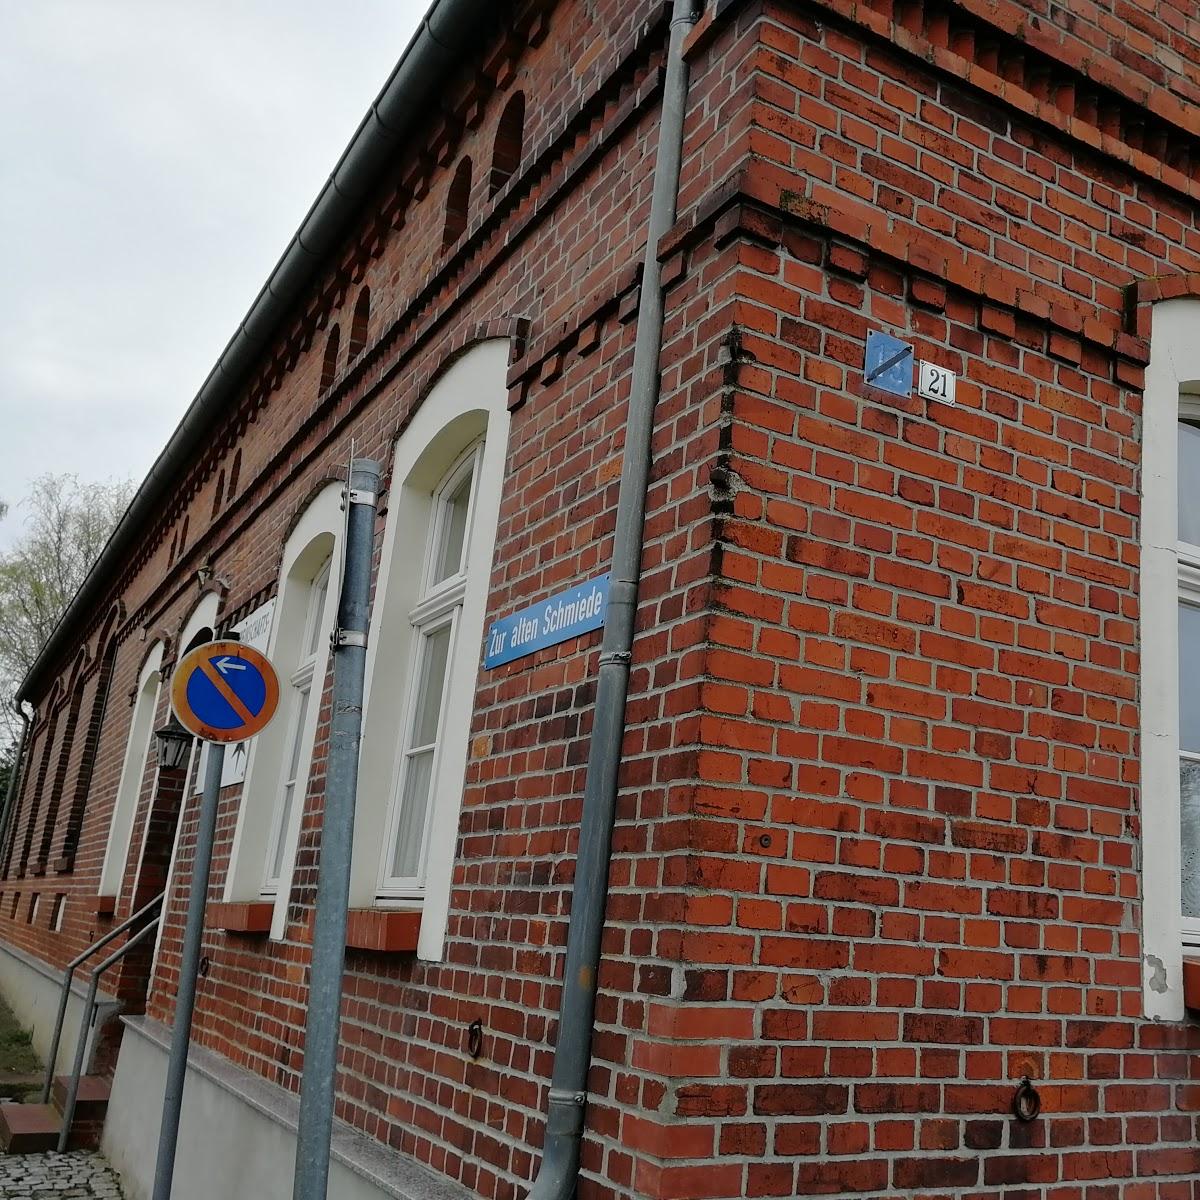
<point x="189" y="967"/>
<point x="337" y="836"/>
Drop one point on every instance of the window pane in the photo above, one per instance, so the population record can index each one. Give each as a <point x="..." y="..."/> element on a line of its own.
<point x="316" y="608"/>
<point x="298" y="732"/>
<point x="429" y="691"/>
<point x="1189" y="678"/>
<point x="449" y="555"/>
<point x="1189" y="482"/>
<point x="285" y="816"/>
<point x="1189" y="815"/>
<point x="413" y="806"/>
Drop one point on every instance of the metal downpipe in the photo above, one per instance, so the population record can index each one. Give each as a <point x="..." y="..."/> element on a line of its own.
<point x="559" y="1171"/>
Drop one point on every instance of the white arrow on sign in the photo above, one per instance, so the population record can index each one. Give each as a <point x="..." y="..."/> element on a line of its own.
<point x="225" y="665"/>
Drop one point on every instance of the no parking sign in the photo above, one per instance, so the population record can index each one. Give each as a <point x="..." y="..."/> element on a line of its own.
<point x="225" y="692"/>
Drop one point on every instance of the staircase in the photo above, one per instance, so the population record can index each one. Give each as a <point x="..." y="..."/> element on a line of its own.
<point x="33" y="1128"/>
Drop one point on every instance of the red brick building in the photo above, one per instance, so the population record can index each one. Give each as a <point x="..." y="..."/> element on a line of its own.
<point x="907" y="810"/>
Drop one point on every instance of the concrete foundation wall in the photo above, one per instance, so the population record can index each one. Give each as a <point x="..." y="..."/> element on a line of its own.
<point x="237" y="1134"/>
<point x="32" y="991"/>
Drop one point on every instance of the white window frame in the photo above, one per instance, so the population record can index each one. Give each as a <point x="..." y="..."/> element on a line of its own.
<point x="438" y="607"/>
<point x="1167" y="577"/>
<point x="468" y="405"/>
<point x="1188" y="573"/>
<point x="299" y="701"/>
<point x="133" y="772"/>
<point x="315" y="539"/>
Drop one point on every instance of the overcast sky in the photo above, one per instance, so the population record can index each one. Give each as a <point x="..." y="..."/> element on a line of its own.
<point x="157" y="157"/>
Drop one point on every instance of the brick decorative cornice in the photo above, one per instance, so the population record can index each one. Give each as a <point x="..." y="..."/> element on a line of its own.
<point x="755" y="203"/>
<point x="517" y="210"/>
<point x="1030" y="68"/>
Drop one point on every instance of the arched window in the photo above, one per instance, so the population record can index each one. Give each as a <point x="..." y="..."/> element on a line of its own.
<point x="458" y="204"/>
<point x="218" y="494"/>
<point x="1169" y="600"/>
<point x="234" y="472"/>
<point x="426" y="631"/>
<point x="509" y="145"/>
<point x="35" y="798"/>
<point x="329" y="366"/>
<point x="360" y="324"/>
<point x="50" y="821"/>
<point x="301" y="701"/>
<point x="280" y="757"/>
<point x="133" y="770"/>
<point x="435" y="619"/>
<point x="87" y="765"/>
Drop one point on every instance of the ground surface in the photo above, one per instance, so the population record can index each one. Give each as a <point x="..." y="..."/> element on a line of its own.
<point x="77" y="1176"/>
<point x="16" y="1054"/>
<point x="20" y="1069"/>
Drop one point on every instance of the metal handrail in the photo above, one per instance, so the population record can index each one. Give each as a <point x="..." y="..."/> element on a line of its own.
<point x="69" y="975"/>
<point x="89" y="1016"/>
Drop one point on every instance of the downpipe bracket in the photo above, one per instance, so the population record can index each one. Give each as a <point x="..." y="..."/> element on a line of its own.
<point x="566" y="1110"/>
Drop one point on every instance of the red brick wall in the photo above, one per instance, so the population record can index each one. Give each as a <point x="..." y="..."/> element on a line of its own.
<point x="909" y="873"/>
<point x="877" y="847"/>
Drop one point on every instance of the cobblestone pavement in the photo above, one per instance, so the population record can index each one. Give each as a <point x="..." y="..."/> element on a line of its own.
<point x="76" y="1176"/>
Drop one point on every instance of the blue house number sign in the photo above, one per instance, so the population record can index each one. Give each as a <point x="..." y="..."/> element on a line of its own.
<point x="567" y="615"/>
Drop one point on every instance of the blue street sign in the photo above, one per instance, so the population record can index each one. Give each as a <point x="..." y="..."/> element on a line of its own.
<point x="224" y="691"/>
<point x="567" y="615"/>
<point x="889" y="364"/>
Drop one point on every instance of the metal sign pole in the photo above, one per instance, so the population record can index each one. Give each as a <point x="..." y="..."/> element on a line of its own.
<point x="185" y="996"/>
<point x="317" y="1087"/>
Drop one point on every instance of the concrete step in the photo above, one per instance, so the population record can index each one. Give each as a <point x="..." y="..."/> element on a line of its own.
<point x="29" y="1128"/>
<point x="91" y="1101"/>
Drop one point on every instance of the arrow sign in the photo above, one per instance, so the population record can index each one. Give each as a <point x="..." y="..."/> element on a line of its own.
<point x="224" y="692"/>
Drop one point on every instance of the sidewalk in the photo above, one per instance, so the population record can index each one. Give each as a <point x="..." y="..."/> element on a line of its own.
<point x="77" y="1176"/>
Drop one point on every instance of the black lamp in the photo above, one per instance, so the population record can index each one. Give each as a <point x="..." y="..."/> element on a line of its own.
<point x="173" y="744"/>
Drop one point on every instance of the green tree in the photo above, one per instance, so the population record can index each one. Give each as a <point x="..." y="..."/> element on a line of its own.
<point x="67" y="522"/>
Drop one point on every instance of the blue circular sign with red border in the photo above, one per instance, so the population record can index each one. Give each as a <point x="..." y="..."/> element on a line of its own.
<point x="224" y="692"/>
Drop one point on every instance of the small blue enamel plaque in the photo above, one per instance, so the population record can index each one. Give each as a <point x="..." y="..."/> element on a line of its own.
<point x="889" y="364"/>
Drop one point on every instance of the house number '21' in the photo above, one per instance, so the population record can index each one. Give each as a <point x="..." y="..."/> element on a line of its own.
<point x="937" y="383"/>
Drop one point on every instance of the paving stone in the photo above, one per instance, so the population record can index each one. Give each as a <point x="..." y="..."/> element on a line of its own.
<point x="80" y="1175"/>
